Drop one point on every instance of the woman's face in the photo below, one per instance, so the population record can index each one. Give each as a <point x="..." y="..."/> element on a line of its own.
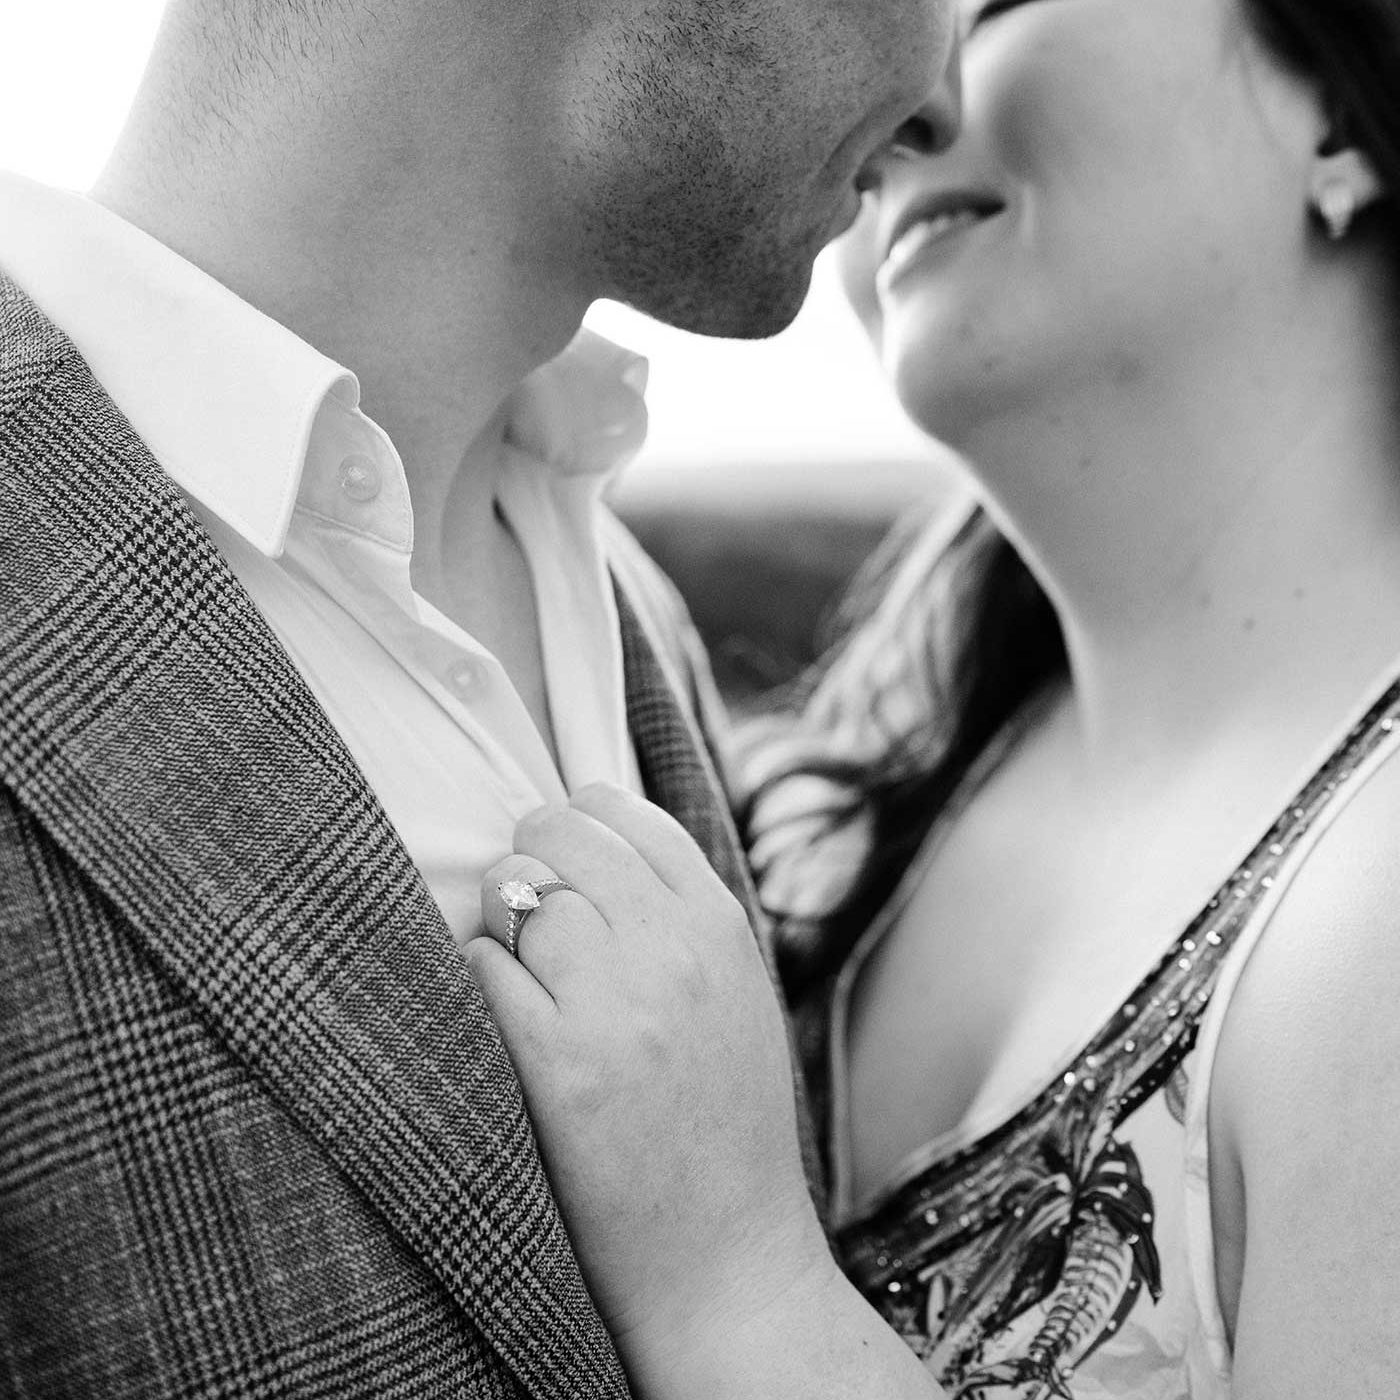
<point x="1130" y="184"/>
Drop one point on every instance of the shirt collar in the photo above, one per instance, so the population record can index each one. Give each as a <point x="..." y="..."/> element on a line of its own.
<point x="226" y="398"/>
<point x="584" y="412"/>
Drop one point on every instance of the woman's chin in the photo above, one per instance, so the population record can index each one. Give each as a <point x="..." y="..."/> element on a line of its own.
<point x="950" y="392"/>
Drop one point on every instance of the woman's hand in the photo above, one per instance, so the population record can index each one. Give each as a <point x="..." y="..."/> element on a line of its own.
<point x="652" y="1051"/>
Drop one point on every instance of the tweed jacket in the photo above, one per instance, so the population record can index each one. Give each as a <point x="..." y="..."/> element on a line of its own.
<point x="258" y="1135"/>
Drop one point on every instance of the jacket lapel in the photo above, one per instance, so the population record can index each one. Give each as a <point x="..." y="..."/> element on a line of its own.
<point x="679" y="775"/>
<point x="154" y="725"/>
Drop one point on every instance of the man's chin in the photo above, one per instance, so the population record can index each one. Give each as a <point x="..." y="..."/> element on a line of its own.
<point x="730" y="308"/>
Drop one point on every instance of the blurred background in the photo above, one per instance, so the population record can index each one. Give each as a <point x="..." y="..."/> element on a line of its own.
<point x="772" y="468"/>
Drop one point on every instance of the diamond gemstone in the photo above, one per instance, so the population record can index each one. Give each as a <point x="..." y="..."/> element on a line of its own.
<point x="519" y="895"/>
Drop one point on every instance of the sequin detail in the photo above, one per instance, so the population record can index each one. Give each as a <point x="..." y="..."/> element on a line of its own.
<point x="1008" y="1264"/>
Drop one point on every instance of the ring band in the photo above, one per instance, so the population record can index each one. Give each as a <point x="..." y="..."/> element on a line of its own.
<point x="522" y="898"/>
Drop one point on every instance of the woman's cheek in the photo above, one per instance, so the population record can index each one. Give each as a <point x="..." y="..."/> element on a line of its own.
<point x="1043" y="125"/>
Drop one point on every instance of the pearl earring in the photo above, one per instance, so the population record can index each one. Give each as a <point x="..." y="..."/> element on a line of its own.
<point x="1336" y="206"/>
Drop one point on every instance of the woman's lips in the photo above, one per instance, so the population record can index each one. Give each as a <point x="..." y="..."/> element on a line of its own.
<point x="930" y="222"/>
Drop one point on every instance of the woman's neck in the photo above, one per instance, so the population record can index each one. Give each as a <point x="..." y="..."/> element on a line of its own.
<point x="1223" y="548"/>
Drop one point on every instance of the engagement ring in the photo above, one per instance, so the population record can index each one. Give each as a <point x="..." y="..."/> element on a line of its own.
<point x="522" y="898"/>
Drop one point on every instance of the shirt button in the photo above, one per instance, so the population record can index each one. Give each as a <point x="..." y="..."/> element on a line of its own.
<point x="359" y="477"/>
<point x="466" y="678"/>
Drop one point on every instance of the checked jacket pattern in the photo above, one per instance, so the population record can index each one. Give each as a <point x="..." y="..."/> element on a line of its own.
<point x="258" y="1135"/>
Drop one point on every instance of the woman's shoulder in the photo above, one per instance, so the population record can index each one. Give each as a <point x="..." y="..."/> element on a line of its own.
<point x="1309" y="1053"/>
<point x="1320" y="973"/>
<point x="1304" y="1105"/>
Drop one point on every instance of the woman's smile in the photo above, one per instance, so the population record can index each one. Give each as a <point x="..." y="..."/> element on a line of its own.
<point x="932" y="225"/>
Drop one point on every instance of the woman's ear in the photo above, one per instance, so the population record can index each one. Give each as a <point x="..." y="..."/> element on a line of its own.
<point x="1342" y="183"/>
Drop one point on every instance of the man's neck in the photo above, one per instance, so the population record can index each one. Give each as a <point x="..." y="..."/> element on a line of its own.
<point x="410" y="250"/>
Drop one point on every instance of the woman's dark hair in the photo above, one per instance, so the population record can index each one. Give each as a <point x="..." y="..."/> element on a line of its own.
<point x="992" y="637"/>
<point x="992" y="641"/>
<point x="1351" y="50"/>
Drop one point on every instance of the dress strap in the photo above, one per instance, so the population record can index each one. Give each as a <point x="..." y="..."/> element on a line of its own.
<point x="1367" y="749"/>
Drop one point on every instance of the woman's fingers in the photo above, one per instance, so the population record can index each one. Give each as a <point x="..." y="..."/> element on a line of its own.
<point x="496" y="883"/>
<point x="655" y="835"/>
<point x="643" y="920"/>
<point x="634" y="862"/>
<point x="520" y="1005"/>
<point x="598" y="862"/>
<point x="558" y="938"/>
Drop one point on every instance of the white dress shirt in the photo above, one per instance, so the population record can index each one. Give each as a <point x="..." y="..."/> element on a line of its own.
<point x="308" y="501"/>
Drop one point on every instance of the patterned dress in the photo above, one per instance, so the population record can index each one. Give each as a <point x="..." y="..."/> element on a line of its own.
<point x="1067" y="1249"/>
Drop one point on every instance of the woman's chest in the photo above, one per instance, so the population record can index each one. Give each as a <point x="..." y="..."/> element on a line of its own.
<point x="1042" y="1227"/>
<point x="998" y="965"/>
<point x="1058" y="1259"/>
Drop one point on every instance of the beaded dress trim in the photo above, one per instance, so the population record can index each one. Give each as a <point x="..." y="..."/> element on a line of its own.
<point x="1048" y="1215"/>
